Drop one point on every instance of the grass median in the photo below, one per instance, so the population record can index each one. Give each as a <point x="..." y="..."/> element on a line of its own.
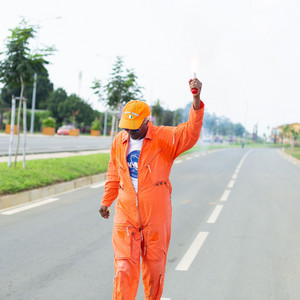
<point x="42" y="172"/>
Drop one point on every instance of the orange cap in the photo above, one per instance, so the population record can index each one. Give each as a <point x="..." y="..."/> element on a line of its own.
<point x="134" y="113"/>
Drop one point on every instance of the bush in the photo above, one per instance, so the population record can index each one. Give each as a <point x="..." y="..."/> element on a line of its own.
<point x="96" y="125"/>
<point x="49" y="122"/>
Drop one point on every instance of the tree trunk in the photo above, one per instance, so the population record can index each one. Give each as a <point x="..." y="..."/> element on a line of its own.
<point x="18" y="121"/>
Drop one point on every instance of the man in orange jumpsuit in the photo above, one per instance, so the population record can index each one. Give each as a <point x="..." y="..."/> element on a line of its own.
<point x="138" y="177"/>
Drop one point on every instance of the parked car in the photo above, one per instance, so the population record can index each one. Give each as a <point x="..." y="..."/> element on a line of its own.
<point x="65" y="130"/>
<point x="218" y="139"/>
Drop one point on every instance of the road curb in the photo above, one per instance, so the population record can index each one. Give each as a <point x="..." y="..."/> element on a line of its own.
<point x="289" y="157"/>
<point x="8" y="201"/>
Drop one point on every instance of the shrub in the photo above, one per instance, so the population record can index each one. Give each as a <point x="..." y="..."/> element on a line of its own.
<point x="49" y="122"/>
<point x="96" y="125"/>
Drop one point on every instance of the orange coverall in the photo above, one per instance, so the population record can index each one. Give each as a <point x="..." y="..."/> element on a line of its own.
<point x="142" y="222"/>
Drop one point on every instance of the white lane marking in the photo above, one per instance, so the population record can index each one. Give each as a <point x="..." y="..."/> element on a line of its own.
<point x="234" y="176"/>
<point x="178" y="161"/>
<point x="95" y="186"/>
<point x="189" y="157"/>
<point x="165" y="298"/>
<point x="231" y="183"/>
<point x="215" y="214"/>
<point x="197" y="155"/>
<point x="29" y="206"/>
<point x="191" y="253"/>
<point x="225" y="195"/>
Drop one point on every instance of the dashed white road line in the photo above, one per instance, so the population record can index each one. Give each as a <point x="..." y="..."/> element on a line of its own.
<point x="191" y="253"/>
<point x="215" y="214"/>
<point x="165" y="298"/>
<point x="225" y="195"/>
<point x="193" y="250"/>
<point x="28" y="206"/>
<point x="231" y="183"/>
<point x="234" y="176"/>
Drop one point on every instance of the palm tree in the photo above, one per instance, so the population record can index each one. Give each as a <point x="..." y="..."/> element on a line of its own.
<point x="285" y="133"/>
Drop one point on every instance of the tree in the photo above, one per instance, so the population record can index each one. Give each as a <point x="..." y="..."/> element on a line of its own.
<point x="75" y="108"/>
<point x="19" y="62"/>
<point x="285" y="132"/>
<point x="239" y="129"/>
<point x="55" y="99"/>
<point x="157" y="112"/>
<point x="120" y="89"/>
<point x="44" y="88"/>
<point x="295" y="135"/>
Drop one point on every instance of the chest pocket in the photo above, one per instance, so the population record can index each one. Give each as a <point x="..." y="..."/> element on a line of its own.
<point x="157" y="168"/>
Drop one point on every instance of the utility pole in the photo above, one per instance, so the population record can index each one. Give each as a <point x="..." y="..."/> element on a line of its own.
<point x="35" y="80"/>
<point x="105" y="123"/>
<point x="33" y="103"/>
<point x="12" y="127"/>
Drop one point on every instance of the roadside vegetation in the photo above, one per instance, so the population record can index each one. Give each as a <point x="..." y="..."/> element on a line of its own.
<point x="43" y="172"/>
<point x="295" y="153"/>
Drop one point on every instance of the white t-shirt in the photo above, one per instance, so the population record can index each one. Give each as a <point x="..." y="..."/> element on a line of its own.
<point x="133" y="154"/>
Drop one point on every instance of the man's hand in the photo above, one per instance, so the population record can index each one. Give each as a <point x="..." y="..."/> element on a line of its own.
<point x="196" y="84"/>
<point x="104" y="212"/>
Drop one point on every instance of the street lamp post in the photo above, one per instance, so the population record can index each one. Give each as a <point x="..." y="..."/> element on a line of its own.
<point x="35" y="82"/>
<point x="33" y="103"/>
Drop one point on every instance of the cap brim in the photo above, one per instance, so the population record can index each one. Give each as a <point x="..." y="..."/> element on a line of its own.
<point x="130" y="124"/>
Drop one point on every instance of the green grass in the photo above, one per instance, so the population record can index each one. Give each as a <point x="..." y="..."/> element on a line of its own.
<point x="295" y="153"/>
<point x="39" y="173"/>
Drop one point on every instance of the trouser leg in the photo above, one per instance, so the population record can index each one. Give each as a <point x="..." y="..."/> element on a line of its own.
<point x="126" y="279"/>
<point x="127" y="245"/>
<point x="153" y="278"/>
<point x="154" y="255"/>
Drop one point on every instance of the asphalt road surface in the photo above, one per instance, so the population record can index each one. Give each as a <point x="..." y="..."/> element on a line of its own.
<point x="235" y="235"/>
<point x="50" y="144"/>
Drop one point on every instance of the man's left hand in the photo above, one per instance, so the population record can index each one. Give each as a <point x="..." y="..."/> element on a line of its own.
<point x="196" y="84"/>
<point x="104" y="211"/>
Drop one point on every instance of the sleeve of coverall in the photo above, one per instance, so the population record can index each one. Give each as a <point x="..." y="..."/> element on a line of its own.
<point x="187" y="134"/>
<point x="112" y="183"/>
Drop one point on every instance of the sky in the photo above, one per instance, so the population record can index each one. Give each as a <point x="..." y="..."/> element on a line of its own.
<point x="246" y="53"/>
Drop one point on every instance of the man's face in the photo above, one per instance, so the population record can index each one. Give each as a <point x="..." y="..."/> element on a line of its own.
<point x="139" y="133"/>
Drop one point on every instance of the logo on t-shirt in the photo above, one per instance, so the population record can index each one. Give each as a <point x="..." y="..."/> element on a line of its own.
<point x="132" y="161"/>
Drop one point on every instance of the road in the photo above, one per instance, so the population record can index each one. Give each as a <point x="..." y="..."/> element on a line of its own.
<point x="235" y="235"/>
<point x="48" y="144"/>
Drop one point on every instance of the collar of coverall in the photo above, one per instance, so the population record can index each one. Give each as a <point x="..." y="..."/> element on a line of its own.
<point x="125" y="135"/>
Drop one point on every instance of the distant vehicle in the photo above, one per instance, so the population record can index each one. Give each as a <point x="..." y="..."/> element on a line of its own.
<point x="218" y="139"/>
<point x="65" y="130"/>
<point x="207" y="139"/>
<point x="231" y="139"/>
